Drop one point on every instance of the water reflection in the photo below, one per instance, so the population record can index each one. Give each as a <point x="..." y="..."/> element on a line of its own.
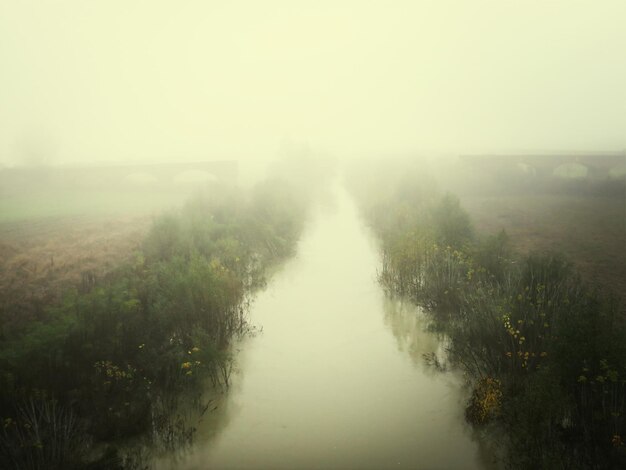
<point x="327" y="385"/>
<point x="414" y="336"/>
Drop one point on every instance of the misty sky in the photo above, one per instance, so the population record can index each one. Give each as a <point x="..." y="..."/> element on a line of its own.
<point x="153" y="80"/>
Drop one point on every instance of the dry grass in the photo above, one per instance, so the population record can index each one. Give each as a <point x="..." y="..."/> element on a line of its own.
<point x="61" y="245"/>
<point x="589" y="230"/>
<point x="41" y="258"/>
<point x="583" y="219"/>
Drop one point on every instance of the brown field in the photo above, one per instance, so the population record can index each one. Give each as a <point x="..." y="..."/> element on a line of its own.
<point x="41" y="258"/>
<point x="63" y="229"/>
<point x="589" y="229"/>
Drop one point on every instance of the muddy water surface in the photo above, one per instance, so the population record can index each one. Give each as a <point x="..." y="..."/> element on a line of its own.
<point x="336" y="378"/>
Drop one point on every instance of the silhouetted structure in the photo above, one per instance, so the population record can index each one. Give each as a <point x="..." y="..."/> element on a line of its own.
<point x="135" y="176"/>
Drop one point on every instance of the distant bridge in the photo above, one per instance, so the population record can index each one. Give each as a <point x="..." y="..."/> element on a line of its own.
<point x="137" y="176"/>
<point x="596" y="165"/>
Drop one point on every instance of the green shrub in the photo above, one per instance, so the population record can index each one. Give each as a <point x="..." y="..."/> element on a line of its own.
<point x="494" y="254"/>
<point x="451" y="223"/>
<point x="545" y="354"/>
<point x="122" y="353"/>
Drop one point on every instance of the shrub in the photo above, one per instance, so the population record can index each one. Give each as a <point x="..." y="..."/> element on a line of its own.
<point x="452" y="224"/>
<point x="42" y="434"/>
<point x="121" y="353"/>
<point x="544" y="353"/>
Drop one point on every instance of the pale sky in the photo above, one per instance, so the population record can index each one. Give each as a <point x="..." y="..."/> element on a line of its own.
<point x="123" y="80"/>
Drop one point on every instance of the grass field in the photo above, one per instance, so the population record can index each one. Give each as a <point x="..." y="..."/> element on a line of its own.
<point x="52" y="241"/>
<point x="590" y="230"/>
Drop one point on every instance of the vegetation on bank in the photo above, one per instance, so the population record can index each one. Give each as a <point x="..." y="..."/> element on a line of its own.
<point x="113" y="359"/>
<point x="544" y="353"/>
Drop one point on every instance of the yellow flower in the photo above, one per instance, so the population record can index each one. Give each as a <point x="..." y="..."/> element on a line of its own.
<point x="616" y="440"/>
<point x="186" y="365"/>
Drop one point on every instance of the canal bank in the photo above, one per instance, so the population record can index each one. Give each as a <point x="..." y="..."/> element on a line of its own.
<point x="336" y="378"/>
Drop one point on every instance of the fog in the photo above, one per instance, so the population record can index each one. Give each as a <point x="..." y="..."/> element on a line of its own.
<point x="312" y="234"/>
<point x="121" y="81"/>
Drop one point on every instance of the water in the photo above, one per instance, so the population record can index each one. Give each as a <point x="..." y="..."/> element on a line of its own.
<point x="336" y="379"/>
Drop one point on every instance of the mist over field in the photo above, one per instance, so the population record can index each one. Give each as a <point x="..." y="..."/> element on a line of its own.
<point x="161" y="81"/>
<point x="312" y="234"/>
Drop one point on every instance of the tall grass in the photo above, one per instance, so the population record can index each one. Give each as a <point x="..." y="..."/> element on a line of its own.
<point x="118" y="356"/>
<point x="544" y="353"/>
<point x="43" y="435"/>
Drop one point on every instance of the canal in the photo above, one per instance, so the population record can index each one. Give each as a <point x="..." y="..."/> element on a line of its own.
<point x="336" y="377"/>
